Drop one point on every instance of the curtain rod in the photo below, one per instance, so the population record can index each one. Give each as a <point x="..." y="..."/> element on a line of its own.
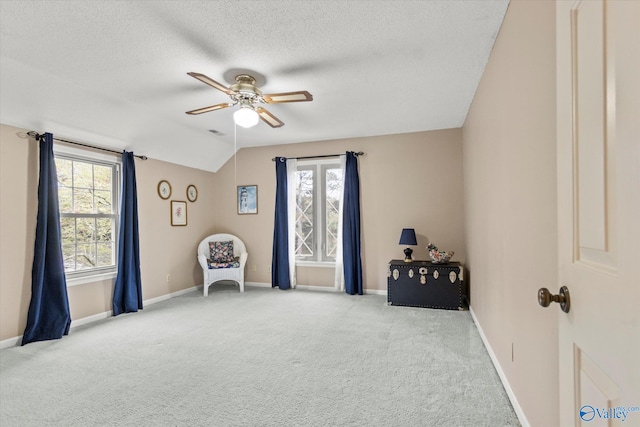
<point x="359" y="153"/>
<point x="37" y="136"/>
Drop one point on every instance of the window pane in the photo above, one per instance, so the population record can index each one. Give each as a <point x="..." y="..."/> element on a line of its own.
<point x="104" y="230"/>
<point x="102" y="177"/>
<point x="65" y="199"/>
<point x="82" y="175"/>
<point x="82" y="200"/>
<point x="305" y="242"/>
<point x="69" y="256"/>
<point x="105" y="254"/>
<point x="333" y="186"/>
<point x="63" y="167"/>
<point x="102" y="201"/>
<point x="86" y="230"/>
<point x="68" y="227"/>
<point x="86" y="256"/>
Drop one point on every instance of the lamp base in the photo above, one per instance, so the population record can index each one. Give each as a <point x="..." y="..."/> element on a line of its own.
<point x="407" y="255"/>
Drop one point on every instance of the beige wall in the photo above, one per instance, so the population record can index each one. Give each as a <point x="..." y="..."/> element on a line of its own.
<point x="408" y="180"/>
<point x="18" y="201"/>
<point x="510" y="205"/>
<point x="163" y="249"/>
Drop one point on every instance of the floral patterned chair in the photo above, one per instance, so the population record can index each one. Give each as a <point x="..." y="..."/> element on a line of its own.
<point x="222" y="257"/>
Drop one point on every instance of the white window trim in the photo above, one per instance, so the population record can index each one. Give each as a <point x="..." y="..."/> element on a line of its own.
<point x="318" y="205"/>
<point x="76" y="278"/>
<point x="325" y="264"/>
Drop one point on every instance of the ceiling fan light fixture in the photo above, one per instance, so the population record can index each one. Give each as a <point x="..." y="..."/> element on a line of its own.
<point x="246" y="116"/>
<point x="245" y="94"/>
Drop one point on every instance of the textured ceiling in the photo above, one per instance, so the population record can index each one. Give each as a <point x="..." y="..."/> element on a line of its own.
<point x="114" y="73"/>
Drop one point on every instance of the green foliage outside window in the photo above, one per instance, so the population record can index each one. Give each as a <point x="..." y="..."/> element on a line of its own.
<point x="88" y="217"/>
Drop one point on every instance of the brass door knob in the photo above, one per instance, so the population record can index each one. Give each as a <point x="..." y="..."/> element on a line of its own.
<point x="545" y="298"/>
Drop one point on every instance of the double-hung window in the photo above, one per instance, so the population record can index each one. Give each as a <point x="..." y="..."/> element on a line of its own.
<point x="88" y="193"/>
<point x="318" y="194"/>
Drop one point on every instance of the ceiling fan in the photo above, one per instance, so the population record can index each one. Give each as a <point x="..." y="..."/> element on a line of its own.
<point x="246" y="94"/>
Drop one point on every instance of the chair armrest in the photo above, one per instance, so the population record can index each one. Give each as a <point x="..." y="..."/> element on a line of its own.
<point x="243" y="259"/>
<point x="203" y="262"/>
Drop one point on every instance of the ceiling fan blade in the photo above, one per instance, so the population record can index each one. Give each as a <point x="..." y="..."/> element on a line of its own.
<point x="276" y="98"/>
<point x="269" y="118"/>
<point x="210" y="108"/>
<point x="214" y="84"/>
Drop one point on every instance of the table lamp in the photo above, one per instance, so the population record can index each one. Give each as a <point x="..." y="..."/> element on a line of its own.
<point x="408" y="237"/>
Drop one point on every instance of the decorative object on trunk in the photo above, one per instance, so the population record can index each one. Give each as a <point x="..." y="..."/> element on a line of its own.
<point x="437" y="256"/>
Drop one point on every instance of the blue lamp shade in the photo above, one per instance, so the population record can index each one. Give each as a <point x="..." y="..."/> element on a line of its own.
<point x="408" y="237"/>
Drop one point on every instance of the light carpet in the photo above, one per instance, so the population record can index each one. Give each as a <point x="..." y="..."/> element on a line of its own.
<point x="262" y="358"/>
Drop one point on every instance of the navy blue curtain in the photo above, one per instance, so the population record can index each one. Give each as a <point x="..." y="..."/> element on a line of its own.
<point x="49" y="317"/>
<point x="127" y="292"/>
<point x="280" y="256"/>
<point x="351" y="227"/>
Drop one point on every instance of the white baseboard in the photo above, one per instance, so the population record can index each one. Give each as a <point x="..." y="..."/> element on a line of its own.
<point x="173" y="295"/>
<point x="12" y="342"/>
<point x="503" y="377"/>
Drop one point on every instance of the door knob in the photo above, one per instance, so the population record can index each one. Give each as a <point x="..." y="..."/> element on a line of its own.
<point x="545" y="298"/>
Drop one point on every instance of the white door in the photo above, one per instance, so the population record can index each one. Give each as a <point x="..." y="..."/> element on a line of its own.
<point x="598" y="122"/>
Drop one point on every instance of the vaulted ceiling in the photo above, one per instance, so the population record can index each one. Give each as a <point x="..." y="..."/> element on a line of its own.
<point x="114" y="73"/>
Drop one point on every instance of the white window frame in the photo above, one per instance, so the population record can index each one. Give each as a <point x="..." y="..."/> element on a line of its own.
<point x="74" y="278"/>
<point x="319" y="166"/>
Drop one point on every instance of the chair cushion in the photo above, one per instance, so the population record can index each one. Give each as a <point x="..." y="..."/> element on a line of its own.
<point x="221" y="252"/>
<point x="235" y="263"/>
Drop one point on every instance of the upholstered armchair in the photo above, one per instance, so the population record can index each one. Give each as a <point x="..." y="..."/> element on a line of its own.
<point x="222" y="257"/>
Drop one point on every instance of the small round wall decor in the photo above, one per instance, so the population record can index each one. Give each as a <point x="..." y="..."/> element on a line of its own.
<point x="192" y="193"/>
<point x="164" y="189"/>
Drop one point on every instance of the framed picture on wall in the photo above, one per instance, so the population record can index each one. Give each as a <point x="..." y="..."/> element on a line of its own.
<point x="178" y="212"/>
<point x="247" y="199"/>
